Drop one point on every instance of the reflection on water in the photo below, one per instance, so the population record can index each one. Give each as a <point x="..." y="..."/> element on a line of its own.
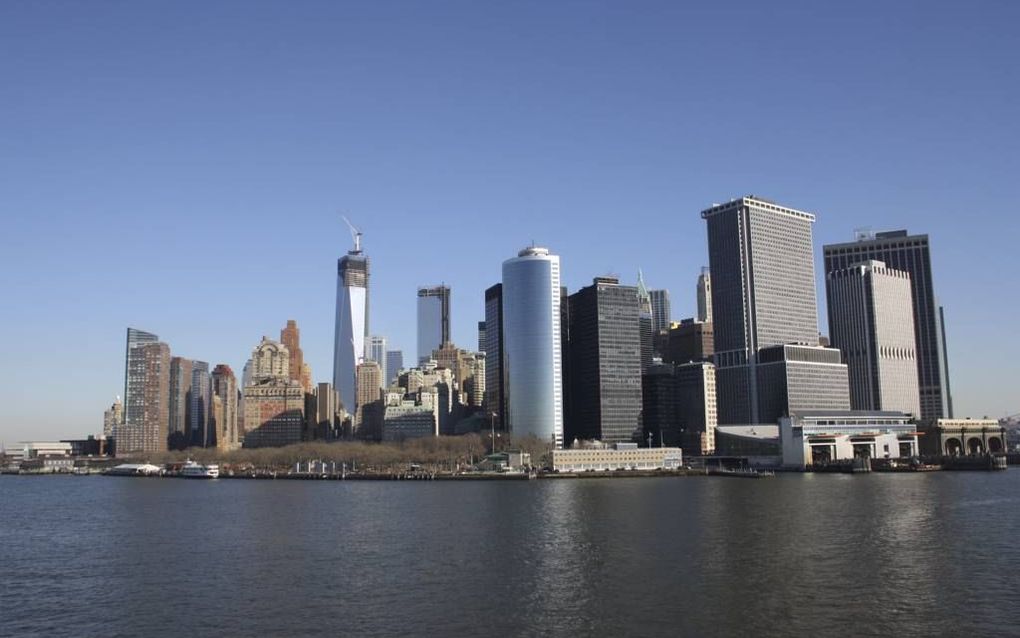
<point x="924" y="554"/>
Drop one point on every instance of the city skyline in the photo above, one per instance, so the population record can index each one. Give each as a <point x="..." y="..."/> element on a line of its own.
<point x="591" y="142"/>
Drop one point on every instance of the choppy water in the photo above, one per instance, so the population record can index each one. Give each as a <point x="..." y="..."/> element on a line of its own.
<point x="925" y="554"/>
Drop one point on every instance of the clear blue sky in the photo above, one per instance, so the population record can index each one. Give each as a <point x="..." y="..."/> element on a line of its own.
<point x="179" y="166"/>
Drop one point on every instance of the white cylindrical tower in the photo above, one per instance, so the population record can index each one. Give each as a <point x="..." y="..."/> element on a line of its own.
<point x="531" y="337"/>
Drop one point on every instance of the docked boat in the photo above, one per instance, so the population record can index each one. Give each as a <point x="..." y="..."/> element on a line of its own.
<point x="192" y="469"/>
<point x="135" y="469"/>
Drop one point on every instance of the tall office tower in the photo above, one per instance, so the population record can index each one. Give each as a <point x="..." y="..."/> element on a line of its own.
<point x="705" y="295"/>
<point x="796" y="378"/>
<point x="112" y="418"/>
<point x="495" y="404"/>
<point x="377" y="352"/>
<point x="604" y="356"/>
<point x="912" y="253"/>
<point x="148" y="392"/>
<point x="433" y="319"/>
<point x="326" y="412"/>
<point x="290" y="336"/>
<point x="762" y="291"/>
<point x="531" y="341"/>
<point x="274" y="404"/>
<point x="135" y="337"/>
<point x="690" y="340"/>
<point x="871" y="321"/>
<point x="368" y="417"/>
<point x="481" y="336"/>
<point x="944" y="368"/>
<point x="679" y="405"/>
<point x="200" y="404"/>
<point x="180" y="403"/>
<point x="394" y="364"/>
<point x="351" y="321"/>
<point x="660" y="310"/>
<point x="645" y="322"/>
<point x="224" y="424"/>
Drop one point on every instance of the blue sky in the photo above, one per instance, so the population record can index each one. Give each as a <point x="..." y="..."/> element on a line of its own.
<point x="180" y="166"/>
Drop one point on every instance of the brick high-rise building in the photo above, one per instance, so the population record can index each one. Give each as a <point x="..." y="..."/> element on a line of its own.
<point x="148" y="425"/>
<point x="290" y="336"/>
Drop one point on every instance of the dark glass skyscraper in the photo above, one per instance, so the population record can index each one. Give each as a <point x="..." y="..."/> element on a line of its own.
<point x="605" y="362"/>
<point x="494" y="363"/>
<point x="433" y="320"/>
<point x="911" y="253"/>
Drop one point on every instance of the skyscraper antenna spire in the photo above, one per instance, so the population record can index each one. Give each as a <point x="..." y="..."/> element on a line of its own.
<point x="355" y="233"/>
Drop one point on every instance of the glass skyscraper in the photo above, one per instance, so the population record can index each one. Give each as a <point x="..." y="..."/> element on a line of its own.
<point x="531" y="339"/>
<point x="433" y="320"/>
<point x="351" y="322"/>
<point x="604" y="356"/>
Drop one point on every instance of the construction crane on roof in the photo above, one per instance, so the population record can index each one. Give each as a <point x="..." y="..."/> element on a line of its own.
<point x="355" y="233"/>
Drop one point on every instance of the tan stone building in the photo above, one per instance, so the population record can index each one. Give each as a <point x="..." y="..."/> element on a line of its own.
<point x="274" y="403"/>
<point x="225" y="407"/>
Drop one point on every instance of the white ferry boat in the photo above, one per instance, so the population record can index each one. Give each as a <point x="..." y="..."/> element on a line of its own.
<point x="135" y="469"/>
<point x="192" y="469"/>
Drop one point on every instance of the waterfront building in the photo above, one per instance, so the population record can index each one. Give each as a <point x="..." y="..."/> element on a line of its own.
<point x="394" y="364"/>
<point x="180" y="403"/>
<point x="132" y="405"/>
<point x="351" y="321"/>
<point x="757" y="444"/>
<point x="794" y="379"/>
<point x="495" y="404"/>
<point x="871" y="321"/>
<point x="377" y="352"/>
<point x="661" y="316"/>
<point x="224" y="426"/>
<point x="821" y="437"/>
<point x="679" y="406"/>
<point x="147" y="424"/>
<point x="605" y="358"/>
<point x="409" y="420"/>
<point x="956" y="437"/>
<point x="911" y="253"/>
<point x="274" y="404"/>
<point x="531" y="339"/>
<point x="705" y="296"/>
<point x="113" y="417"/>
<point x="689" y="340"/>
<point x="199" y="405"/>
<point x="644" y="323"/>
<point x="763" y="294"/>
<point x="433" y="319"/>
<point x="619" y="457"/>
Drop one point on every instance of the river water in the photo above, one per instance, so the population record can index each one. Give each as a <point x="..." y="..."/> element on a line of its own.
<point x="931" y="554"/>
